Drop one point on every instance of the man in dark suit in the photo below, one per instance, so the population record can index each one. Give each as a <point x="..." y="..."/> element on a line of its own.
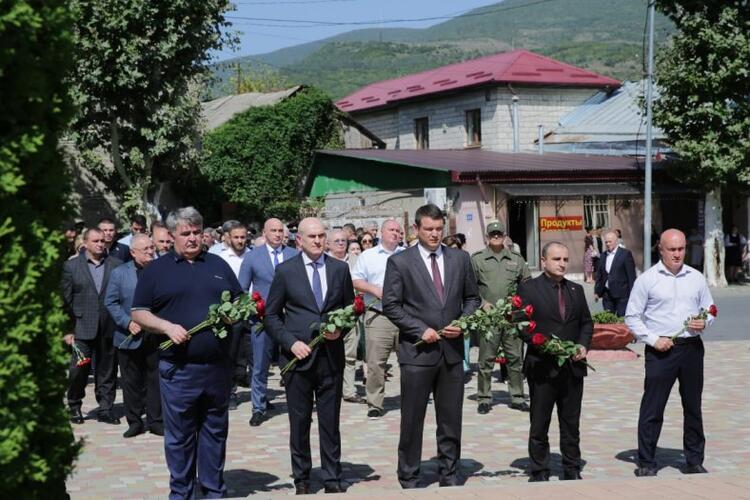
<point x="559" y="308"/>
<point x="84" y="283"/>
<point x="137" y="350"/>
<point x="257" y="271"/>
<point x="304" y="289"/>
<point x="615" y="276"/>
<point x="426" y="287"/>
<point x="112" y="247"/>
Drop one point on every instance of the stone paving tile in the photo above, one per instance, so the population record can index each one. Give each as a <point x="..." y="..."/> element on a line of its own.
<point x="494" y="445"/>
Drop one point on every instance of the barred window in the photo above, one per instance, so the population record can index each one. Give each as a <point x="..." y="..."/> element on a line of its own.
<point x="595" y="211"/>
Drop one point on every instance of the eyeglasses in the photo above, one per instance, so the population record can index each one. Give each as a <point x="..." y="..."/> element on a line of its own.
<point x="367" y="241"/>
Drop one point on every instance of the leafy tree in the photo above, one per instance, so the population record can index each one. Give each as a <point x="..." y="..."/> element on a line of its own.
<point x="37" y="446"/>
<point x="136" y="67"/>
<point x="255" y="78"/>
<point x="259" y="159"/>
<point x="704" y="77"/>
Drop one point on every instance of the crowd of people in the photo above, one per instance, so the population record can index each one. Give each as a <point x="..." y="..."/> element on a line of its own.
<point x="126" y="296"/>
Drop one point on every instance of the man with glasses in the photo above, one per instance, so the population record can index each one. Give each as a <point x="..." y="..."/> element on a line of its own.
<point x="137" y="350"/>
<point x="499" y="270"/>
<point x="337" y="244"/>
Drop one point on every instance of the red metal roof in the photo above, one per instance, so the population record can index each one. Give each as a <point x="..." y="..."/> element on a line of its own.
<point x="517" y="66"/>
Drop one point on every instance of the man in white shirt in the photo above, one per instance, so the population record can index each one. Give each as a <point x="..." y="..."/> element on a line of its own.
<point x="381" y="336"/>
<point x="662" y="313"/>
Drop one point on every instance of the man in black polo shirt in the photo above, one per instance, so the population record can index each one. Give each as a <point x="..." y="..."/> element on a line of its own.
<point x="172" y="296"/>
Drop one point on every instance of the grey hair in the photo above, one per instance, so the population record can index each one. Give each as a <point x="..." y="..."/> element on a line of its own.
<point x="370" y="223"/>
<point x="389" y="221"/>
<point x="184" y="215"/>
<point x="139" y="236"/>
<point x="232" y="224"/>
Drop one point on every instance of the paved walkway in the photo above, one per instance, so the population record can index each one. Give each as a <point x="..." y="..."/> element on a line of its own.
<point x="494" y="445"/>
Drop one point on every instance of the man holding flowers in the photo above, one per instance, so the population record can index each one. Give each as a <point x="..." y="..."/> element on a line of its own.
<point x="670" y="306"/>
<point x="561" y="314"/>
<point x="426" y="288"/>
<point x="173" y="295"/>
<point x="305" y="288"/>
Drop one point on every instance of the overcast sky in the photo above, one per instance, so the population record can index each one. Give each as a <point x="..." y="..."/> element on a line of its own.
<point x="261" y="36"/>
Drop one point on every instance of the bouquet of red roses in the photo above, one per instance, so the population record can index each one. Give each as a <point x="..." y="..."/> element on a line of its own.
<point x="702" y="314"/>
<point x="555" y="346"/>
<point x="81" y="359"/>
<point x="345" y="318"/>
<point x="227" y="312"/>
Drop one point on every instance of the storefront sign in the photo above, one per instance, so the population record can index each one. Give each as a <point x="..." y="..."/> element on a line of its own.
<point x="574" y="223"/>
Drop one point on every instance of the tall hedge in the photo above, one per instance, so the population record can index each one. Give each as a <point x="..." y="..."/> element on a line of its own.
<point x="37" y="447"/>
<point x="260" y="158"/>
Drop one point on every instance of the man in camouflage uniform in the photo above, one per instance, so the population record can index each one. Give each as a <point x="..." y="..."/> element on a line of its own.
<point x="498" y="271"/>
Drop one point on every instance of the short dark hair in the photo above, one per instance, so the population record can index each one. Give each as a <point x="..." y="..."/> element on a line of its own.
<point x="90" y="230"/>
<point x="349" y="226"/>
<point x="430" y="211"/>
<point x="550" y="244"/>
<point x="157" y="224"/>
<point x="106" y="220"/>
<point x="138" y="219"/>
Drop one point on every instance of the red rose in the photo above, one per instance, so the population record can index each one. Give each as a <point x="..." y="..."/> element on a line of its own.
<point x="713" y="310"/>
<point x="501" y="360"/>
<point x="257" y="296"/>
<point x="84" y="362"/>
<point x="260" y="308"/>
<point x="529" y="309"/>
<point x="538" y="339"/>
<point x="359" y="305"/>
<point x="516" y="301"/>
<point x="532" y="326"/>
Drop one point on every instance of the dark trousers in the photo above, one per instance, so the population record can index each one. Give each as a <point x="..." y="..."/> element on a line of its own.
<point x="320" y="382"/>
<point x="684" y="362"/>
<point x="238" y="352"/>
<point x="565" y="391"/>
<point x="616" y="305"/>
<point x="195" y="401"/>
<point x="139" y="370"/>
<point x="261" y="349"/>
<point x="102" y="352"/>
<point x="446" y="384"/>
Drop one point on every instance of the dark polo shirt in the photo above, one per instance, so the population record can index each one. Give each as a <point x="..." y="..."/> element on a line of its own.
<point x="181" y="292"/>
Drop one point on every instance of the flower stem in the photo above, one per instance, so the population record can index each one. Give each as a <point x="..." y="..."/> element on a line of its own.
<point x="200" y="326"/>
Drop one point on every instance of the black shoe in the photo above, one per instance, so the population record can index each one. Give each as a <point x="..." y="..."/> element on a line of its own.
<point x="269" y="406"/>
<point x="76" y="417"/>
<point x="523" y="406"/>
<point x="538" y="477"/>
<point x="454" y="480"/>
<point x="355" y="399"/>
<point x="484" y="408"/>
<point x="233" y="401"/>
<point x="410" y="485"/>
<point x="645" y="472"/>
<point x="695" y="469"/>
<point x="106" y="417"/>
<point x="374" y="413"/>
<point x="257" y="419"/>
<point x="571" y="475"/>
<point x="467" y="377"/>
<point x="133" y="430"/>
<point x="157" y="429"/>
<point x="302" y="489"/>
<point x="334" y="488"/>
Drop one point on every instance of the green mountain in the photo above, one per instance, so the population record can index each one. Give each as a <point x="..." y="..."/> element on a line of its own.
<point x="600" y="35"/>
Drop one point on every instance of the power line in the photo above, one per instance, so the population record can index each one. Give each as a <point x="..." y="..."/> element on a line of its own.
<point x="294" y="2"/>
<point x="303" y="23"/>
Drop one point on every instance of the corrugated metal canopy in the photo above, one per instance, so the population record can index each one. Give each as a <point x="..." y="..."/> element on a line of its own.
<point x="577" y="189"/>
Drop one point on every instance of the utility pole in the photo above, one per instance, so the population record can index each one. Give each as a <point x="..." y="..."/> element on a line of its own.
<point x="239" y="78"/>
<point x="649" y="136"/>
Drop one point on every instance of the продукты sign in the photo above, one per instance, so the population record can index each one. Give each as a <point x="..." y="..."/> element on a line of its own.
<point x="572" y="223"/>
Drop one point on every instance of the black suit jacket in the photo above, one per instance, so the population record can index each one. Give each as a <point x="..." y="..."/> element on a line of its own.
<point x="621" y="275"/>
<point x="577" y="326"/>
<point x="411" y="303"/>
<point x="292" y="314"/>
<point x="82" y="302"/>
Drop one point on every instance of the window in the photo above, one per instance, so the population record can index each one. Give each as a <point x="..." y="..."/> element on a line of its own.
<point x="595" y="211"/>
<point x="474" y="127"/>
<point x="422" y="133"/>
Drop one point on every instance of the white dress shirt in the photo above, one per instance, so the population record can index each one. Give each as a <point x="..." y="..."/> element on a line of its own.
<point x="231" y="258"/>
<point x="428" y="261"/>
<point x="608" y="264"/>
<point x="661" y="302"/>
<point x="321" y="270"/>
<point x="370" y="267"/>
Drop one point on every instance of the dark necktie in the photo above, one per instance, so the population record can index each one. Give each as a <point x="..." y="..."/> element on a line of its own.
<point x="436" y="279"/>
<point x="276" y="253"/>
<point x="561" y="301"/>
<point x="317" y="286"/>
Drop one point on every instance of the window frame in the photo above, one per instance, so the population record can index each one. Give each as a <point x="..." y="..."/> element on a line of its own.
<point x="473" y="124"/>
<point x="422" y="132"/>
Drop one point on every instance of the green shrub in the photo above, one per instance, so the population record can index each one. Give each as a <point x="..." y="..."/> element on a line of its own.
<point x="606" y="318"/>
<point x="37" y="446"/>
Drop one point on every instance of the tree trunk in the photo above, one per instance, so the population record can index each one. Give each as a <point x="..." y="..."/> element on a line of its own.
<point x="713" y="254"/>
<point x="116" y="156"/>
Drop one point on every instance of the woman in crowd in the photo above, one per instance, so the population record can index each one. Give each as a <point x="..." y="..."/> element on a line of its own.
<point x="366" y="241"/>
<point x="588" y="259"/>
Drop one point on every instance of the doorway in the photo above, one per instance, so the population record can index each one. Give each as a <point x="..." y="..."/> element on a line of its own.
<point x="522" y="228"/>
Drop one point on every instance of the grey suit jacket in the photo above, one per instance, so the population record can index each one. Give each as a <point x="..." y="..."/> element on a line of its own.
<point x="412" y="304"/>
<point x="81" y="300"/>
<point x="119" y="299"/>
